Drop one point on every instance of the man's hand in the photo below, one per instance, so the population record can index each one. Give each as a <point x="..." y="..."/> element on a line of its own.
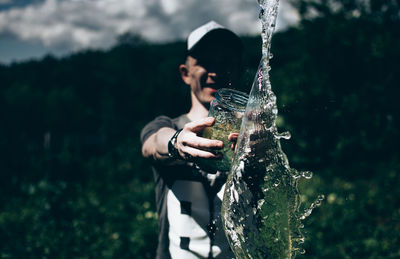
<point x="190" y="145"/>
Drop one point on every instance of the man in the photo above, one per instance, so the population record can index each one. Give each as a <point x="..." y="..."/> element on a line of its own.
<point x="188" y="198"/>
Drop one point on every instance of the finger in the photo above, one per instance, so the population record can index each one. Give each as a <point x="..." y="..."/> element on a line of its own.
<point x="198" y="153"/>
<point x="197" y="126"/>
<point x="201" y="143"/>
<point x="233" y="136"/>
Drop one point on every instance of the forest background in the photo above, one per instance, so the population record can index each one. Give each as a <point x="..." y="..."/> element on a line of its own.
<point x="74" y="185"/>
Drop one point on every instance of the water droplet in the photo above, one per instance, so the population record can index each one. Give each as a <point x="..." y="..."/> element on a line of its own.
<point x="276" y="240"/>
<point x="319" y="200"/>
<point x="276" y="183"/>
<point x="260" y="203"/>
<point x="307" y="174"/>
<point x="296" y="174"/>
<point x="284" y="135"/>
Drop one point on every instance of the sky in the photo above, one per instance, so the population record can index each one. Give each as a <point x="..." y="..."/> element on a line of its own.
<point x="32" y="29"/>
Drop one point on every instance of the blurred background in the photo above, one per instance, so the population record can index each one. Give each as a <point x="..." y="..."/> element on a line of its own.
<point x="79" y="79"/>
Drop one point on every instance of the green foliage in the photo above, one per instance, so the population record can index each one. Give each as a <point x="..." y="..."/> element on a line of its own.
<point x="74" y="184"/>
<point x="346" y="84"/>
<point x="336" y="79"/>
<point x="358" y="219"/>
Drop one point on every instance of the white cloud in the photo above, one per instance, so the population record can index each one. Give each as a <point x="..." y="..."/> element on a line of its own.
<point x="81" y="24"/>
<point x="170" y="7"/>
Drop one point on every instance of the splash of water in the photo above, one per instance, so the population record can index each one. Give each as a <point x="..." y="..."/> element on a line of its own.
<point x="261" y="201"/>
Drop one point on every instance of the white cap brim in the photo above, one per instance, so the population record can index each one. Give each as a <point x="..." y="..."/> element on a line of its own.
<point x="196" y="35"/>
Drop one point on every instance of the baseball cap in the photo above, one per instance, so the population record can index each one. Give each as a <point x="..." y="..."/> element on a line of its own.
<point x="213" y="34"/>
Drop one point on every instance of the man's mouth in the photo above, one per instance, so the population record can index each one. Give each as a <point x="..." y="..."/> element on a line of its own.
<point x="213" y="86"/>
<point x="212" y="89"/>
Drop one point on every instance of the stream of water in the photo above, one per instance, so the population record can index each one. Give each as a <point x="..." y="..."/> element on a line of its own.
<point x="261" y="200"/>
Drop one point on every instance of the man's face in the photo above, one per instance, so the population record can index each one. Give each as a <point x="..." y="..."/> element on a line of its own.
<point x="209" y="72"/>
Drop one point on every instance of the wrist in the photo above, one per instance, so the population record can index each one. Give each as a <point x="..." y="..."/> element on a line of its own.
<point x="172" y="150"/>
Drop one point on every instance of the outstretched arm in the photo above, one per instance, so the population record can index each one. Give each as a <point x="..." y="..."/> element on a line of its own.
<point x="188" y="143"/>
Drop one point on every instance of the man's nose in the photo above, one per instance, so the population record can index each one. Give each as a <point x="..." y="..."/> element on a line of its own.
<point x="212" y="77"/>
<point x="212" y="74"/>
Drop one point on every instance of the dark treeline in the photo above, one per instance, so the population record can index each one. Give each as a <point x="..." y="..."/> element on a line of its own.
<point x="73" y="182"/>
